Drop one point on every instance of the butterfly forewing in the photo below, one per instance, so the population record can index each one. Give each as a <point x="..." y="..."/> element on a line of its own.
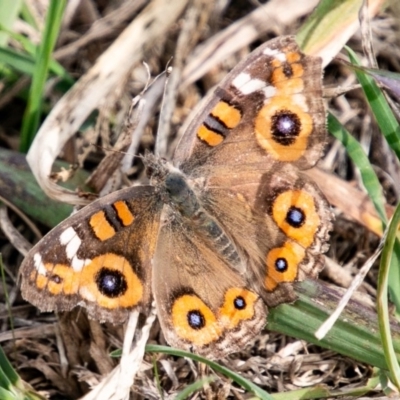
<point x="99" y="258"/>
<point x="268" y="109"/>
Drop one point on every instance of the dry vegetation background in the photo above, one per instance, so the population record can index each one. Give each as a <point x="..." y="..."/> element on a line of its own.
<point x="63" y="356"/>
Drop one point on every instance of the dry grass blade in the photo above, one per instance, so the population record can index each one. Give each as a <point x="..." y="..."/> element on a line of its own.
<point x="355" y="285"/>
<point x="109" y="71"/>
<point x="351" y="201"/>
<point x="17" y="240"/>
<point x="276" y="15"/>
<point x="102" y="28"/>
<point x="116" y="385"/>
<point x="126" y="146"/>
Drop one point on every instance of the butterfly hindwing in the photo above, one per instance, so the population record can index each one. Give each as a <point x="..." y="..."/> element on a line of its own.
<point x="204" y="306"/>
<point x="279" y="221"/>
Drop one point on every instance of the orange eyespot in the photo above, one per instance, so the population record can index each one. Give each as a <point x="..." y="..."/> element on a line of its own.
<point x="194" y="321"/>
<point x="282" y="264"/>
<point x="295" y="213"/>
<point x="110" y="281"/>
<point x="282" y="128"/>
<point x="238" y="306"/>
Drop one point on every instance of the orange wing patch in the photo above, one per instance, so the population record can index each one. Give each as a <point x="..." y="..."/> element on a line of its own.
<point x="222" y="118"/>
<point x="227" y="114"/>
<point x="102" y="229"/>
<point x="209" y="136"/>
<point x="123" y="213"/>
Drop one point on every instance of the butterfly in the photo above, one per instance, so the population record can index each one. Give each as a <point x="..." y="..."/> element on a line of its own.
<point x="221" y="232"/>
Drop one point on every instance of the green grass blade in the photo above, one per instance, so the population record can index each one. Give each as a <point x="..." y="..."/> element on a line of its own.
<point x="391" y="131"/>
<point x="394" y="279"/>
<point x="7" y="371"/>
<point x="7" y="395"/>
<point x="249" y="386"/>
<point x="12" y="58"/>
<point x="33" y="111"/>
<point x="379" y="106"/>
<point x="27" y="16"/>
<point x="389" y="80"/>
<point x="11" y="385"/>
<point x="360" y="159"/>
<point x="194" y="387"/>
<point x="5" y="291"/>
<point x="315" y="392"/>
<point x="16" y="60"/>
<point x="382" y="299"/>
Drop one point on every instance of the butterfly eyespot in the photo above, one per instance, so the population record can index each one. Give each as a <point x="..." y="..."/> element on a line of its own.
<point x="295" y="217"/>
<point x="282" y="127"/>
<point x="196" y="319"/>
<point x="286" y="126"/>
<point x="281" y="265"/>
<point x="56" y="279"/>
<point x="287" y="70"/>
<point x="294" y="211"/>
<point x="111" y="283"/>
<point x="239" y="303"/>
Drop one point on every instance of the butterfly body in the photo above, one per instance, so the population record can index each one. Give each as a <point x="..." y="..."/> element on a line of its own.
<point x="221" y="232"/>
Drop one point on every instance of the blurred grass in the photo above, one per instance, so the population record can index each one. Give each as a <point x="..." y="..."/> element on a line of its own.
<point x="33" y="111"/>
<point x="9" y="10"/>
<point x="11" y="385"/>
